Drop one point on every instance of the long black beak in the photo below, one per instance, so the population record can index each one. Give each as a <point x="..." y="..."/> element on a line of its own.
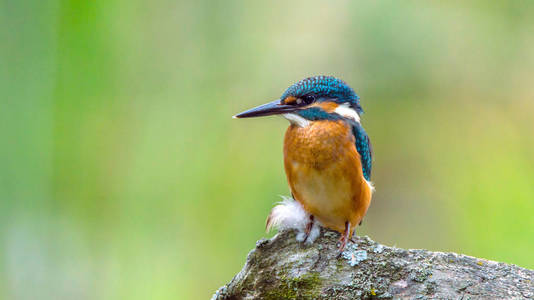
<point x="268" y="109"/>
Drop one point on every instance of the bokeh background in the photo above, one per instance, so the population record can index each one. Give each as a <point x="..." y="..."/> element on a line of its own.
<point x="122" y="175"/>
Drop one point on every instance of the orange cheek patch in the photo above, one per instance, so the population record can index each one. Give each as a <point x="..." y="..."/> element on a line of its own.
<point x="289" y="100"/>
<point x="329" y="107"/>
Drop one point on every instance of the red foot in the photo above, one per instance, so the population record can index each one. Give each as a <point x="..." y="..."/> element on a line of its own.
<point x="308" y="229"/>
<point x="344" y="238"/>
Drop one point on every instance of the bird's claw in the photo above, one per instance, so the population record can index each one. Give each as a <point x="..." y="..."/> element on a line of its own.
<point x="309" y="227"/>
<point x="344" y="238"/>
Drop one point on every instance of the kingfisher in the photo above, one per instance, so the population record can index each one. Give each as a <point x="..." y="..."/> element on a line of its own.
<point x="327" y="156"/>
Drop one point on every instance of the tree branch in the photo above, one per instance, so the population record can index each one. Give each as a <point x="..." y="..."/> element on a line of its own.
<point x="282" y="268"/>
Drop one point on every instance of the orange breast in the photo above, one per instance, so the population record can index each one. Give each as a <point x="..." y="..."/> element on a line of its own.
<point x="324" y="173"/>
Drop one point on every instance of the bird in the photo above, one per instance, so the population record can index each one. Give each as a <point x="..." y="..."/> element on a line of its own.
<point x="327" y="153"/>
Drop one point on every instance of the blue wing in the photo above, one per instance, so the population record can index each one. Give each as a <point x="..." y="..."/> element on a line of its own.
<point x="365" y="149"/>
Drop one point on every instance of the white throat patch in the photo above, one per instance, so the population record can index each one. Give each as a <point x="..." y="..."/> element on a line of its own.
<point x="296" y="120"/>
<point x="348" y="112"/>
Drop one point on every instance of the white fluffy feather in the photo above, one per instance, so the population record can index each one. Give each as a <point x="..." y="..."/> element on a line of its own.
<point x="289" y="214"/>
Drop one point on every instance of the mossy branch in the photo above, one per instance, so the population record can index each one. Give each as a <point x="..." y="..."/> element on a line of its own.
<point x="282" y="268"/>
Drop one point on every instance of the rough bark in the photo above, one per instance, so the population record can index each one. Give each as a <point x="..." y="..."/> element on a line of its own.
<point x="282" y="268"/>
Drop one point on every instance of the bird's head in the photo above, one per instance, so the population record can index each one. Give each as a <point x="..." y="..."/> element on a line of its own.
<point x="312" y="99"/>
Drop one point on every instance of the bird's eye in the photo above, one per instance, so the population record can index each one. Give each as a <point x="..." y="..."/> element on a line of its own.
<point x="308" y="99"/>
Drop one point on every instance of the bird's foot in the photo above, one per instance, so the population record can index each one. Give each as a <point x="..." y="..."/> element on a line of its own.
<point x="310" y="233"/>
<point x="344" y="239"/>
<point x="308" y="229"/>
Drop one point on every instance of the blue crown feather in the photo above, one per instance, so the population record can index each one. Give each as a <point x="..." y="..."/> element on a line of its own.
<point x="327" y="87"/>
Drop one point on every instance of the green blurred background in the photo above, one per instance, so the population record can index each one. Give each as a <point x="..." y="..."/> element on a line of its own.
<point x="124" y="177"/>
